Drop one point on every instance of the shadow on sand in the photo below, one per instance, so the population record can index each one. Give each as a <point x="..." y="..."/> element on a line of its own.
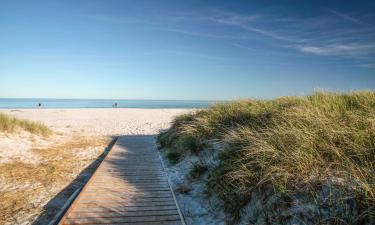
<point x="56" y="203"/>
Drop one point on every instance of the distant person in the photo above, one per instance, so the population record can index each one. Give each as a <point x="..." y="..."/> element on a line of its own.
<point x="39" y="105"/>
<point x="115" y="104"/>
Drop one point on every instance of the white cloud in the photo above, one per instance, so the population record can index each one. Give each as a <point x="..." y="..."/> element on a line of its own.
<point x="234" y="19"/>
<point x="337" y="49"/>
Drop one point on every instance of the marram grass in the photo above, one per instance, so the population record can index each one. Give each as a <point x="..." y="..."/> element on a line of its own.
<point x="11" y="124"/>
<point x="292" y="144"/>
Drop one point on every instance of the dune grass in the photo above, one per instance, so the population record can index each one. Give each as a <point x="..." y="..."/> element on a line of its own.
<point x="291" y="144"/>
<point x="11" y="124"/>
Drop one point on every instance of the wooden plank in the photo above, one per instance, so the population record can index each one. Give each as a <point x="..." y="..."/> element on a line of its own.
<point x="121" y="194"/>
<point x="104" y="195"/>
<point x="124" y="189"/>
<point x="110" y="220"/>
<point x="129" y="189"/>
<point x="129" y="180"/>
<point x="139" y="213"/>
<point x="124" y="208"/>
<point x="142" y="223"/>
<point x="124" y="204"/>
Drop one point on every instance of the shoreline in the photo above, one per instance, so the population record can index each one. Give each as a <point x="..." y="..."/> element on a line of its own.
<point x="96" y="104"/>
<point x="83" y="108"/>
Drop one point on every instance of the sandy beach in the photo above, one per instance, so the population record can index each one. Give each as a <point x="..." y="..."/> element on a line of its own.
<point x="62" y="163"/>
<point x="109" y="122"/>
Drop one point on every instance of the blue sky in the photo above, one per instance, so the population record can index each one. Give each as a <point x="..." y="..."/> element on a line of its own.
<point x="184" y="49"/>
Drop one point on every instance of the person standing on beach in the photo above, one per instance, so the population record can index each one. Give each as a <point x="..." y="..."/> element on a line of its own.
<point x="39" y="104"/>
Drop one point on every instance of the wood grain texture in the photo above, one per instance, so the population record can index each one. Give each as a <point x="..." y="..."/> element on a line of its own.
<point x="129" y="187"/>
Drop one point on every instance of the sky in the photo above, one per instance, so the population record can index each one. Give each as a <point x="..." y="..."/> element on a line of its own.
<point x="201" y="50"/>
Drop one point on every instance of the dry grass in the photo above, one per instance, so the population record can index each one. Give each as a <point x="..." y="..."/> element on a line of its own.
<point x="292" y="144"/>
<point x="60" y="164"/>
<point x="11" y="124"/>
<point x="57" y="161"/>
<point x="17" y="202"/>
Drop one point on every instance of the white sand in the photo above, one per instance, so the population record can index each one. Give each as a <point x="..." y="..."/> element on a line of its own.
<point x="196" y="206"/>
<point x="111" y="122"/>
<point x="69" y="123"/>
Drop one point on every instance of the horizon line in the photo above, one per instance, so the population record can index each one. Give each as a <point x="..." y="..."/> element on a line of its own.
<point x="131" y="99"/>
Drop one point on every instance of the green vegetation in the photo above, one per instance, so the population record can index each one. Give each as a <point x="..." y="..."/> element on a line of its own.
<point x="290" y="145"/>
<point x="10" y="124"/>
<point x="173" y="155"/>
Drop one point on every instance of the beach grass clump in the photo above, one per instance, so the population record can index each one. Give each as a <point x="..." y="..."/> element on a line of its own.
<point x="289" y="145"/>
<point x="11" y="124"/>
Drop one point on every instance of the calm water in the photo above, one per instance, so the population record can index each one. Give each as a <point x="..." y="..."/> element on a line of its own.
<point x="97" y="103"/>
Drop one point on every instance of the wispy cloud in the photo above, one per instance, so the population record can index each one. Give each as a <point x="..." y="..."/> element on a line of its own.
<point x="233" y="19"/>
<point x="338" y="49"/>
<point x="309" y="36"/>
<point x="207" y="35"/>
<point x="345" y="16"/>
<point x="244" y="47"/>
<point x="326" y="34"/>
<point x="265" y="52"/>
<point x="245" y="22"/>
<point x="187" y="53"/>
<point x="117" y="19"/>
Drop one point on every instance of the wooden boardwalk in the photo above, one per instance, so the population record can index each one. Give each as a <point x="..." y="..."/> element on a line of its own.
<point x="129" y="187"/>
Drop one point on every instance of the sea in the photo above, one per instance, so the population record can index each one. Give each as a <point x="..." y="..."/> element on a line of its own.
<point x="29" y="103"/>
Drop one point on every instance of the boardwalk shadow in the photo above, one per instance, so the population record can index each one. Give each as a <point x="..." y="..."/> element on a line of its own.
<point x="57" y="202"/>
<point x="129" y="186"/>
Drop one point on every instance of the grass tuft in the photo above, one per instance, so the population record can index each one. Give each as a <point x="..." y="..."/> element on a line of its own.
<point x="291" y="144"/>
<point x="198" y="170"/>
<point x="11" y="124"/>
<point x="174" y="156"/>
